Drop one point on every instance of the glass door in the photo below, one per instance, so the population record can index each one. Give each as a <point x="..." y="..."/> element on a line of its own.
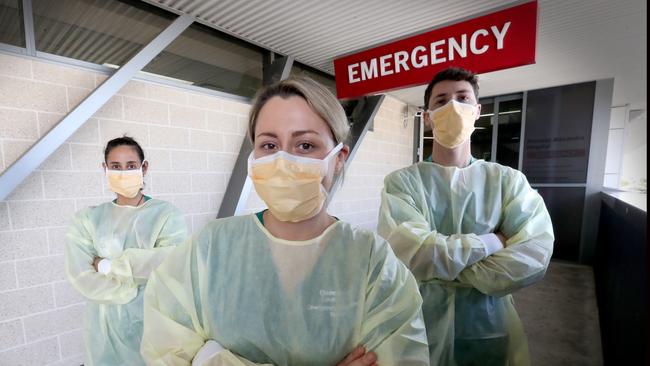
<point x="482" y="136"/>
<point x="498" y="130"/>
<point x="509" y="132"/>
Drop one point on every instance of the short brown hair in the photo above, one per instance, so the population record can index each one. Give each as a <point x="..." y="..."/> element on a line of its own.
<point x="454" y="74"/>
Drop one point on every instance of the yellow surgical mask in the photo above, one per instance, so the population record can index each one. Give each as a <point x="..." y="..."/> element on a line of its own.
<point x="125" y="182"/>
<point x="453" y="123"/>
<point x="290" y="185"/>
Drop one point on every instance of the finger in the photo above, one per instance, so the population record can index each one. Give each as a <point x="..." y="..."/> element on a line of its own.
<point x="357" y="352"/>
<point x="368" y="359"/>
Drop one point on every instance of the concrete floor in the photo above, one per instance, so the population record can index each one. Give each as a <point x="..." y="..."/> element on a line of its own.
<point x="560" y="317"/>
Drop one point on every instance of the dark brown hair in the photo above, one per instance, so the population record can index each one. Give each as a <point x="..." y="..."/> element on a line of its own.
<point x="454" y="74"/>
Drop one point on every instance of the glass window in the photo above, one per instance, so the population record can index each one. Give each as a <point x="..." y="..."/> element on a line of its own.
<point x="104" y="32"/>
<point x="509" y="132"/>
<point x="482" y="136"/>
<point x="427" y="141"/>
<point x="206" y="58"/>
<point x="11" y="23"/>
<point x="558" y="133"/>
<point x="321" y="77"/>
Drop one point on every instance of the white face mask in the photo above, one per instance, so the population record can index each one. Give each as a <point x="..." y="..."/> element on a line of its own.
<point x="290" y="185"/>
<point x="453" y="123"/>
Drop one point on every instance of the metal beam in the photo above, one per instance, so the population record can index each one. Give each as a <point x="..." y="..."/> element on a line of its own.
<point x="417" y="142"/>
<point x="595" y="169"/>
<point x="276" y="69"/>
<point x="522" y="135"/>
<point x="44" y="147"/>
<point x="28" y="23"/>
<point x="495" y="130"/>
<point x="361" y="121"/>
<point x="240" y="186"/>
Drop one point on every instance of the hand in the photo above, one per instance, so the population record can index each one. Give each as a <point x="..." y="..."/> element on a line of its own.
<point x="359" y="357"/>
<point x="96" y="263"/>
<point x="502" y="238"/>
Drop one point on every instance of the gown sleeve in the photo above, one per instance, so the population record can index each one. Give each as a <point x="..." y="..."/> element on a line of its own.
<point x="393" y="326"/>
<point x="79" y="255"/>
<point x="173" y="332"/>
<point x="428" y="253"/>
<point x="136" y="264"/>
<point x="524" y="260"/>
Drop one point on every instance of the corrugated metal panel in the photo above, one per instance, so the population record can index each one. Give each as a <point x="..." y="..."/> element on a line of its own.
<point x="316" y="31"/>
<point x="578" y="40"/>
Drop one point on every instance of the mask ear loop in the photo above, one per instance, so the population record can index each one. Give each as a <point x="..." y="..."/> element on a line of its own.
<point x="334" y="151"/>
<point x="337" y="183"/>
<point x="142" y="166"/>
<point x="144" y="184"/>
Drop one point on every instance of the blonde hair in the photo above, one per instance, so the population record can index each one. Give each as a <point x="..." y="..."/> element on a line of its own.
<point x="318" y="97"/>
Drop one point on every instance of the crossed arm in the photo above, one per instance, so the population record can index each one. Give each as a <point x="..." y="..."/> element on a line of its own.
<point x="525" y="234"/>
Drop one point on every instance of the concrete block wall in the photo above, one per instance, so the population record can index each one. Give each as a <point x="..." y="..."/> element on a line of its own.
<point x="191" y="141"/>
<point x="385" y="149"/>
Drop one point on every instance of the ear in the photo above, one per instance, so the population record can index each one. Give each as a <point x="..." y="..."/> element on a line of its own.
<point x="341" y="158"/>
<point x="478" y="112"/>
<point x="145" y="167"/>
<point x="104" y="166"/>
<point x="426" y="119"/>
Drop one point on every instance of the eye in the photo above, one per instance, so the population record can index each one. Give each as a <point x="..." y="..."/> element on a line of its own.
<point x="115" y="167"/>
<point x="268" y="146"/>
<point x="131" y="167"/>
<point x="305" y="146"/>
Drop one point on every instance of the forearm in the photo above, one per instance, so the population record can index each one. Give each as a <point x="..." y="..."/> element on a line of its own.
<point x="516" y="266"/>
<point x="103" y="289"/>
<point x="137" y="264"/>
<point x="432" y="255"/>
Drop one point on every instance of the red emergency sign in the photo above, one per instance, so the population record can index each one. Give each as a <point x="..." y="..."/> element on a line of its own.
<point x="496" y="41"/>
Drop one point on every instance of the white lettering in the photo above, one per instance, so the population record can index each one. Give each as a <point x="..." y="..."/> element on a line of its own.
<point x="400" y="60"/>
<point x="461" y="48"/>
<point x="435" y="52"/>
<point x="500" y="35"/>
<point x="369" y="71"/>
<point x="472" y="42"/>
<point x="353" y="70"/>
<point x="440" y="51"/>
<point x="384" y="63"/>
<point x="421" y="60"/>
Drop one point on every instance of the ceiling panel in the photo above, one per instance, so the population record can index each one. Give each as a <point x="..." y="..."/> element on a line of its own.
<point x="578" y="40"/>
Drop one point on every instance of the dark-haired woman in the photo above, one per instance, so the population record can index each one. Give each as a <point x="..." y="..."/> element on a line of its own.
<point x="111" y="250"/>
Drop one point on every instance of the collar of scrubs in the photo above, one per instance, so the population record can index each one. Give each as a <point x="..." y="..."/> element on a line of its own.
<point x="472" y="159"/>
<point x="259" y="220"/>
<point x="260" y="216"/>
<point x="146" y="198"/>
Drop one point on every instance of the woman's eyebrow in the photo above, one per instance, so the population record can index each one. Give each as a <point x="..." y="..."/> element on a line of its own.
<point x="118" y="162"/>
<point x="302" y="132"/>
<point x="269" y="134"/>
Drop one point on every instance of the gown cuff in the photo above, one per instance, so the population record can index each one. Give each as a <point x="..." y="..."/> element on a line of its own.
<point x="104" y="266"/>
<point x="209" y="349"/>
<point x="491" y="242"/>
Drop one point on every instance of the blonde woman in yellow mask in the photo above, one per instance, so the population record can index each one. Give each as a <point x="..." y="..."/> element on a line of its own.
<point x="290" y="285"/>
<point x="111" y="250"/>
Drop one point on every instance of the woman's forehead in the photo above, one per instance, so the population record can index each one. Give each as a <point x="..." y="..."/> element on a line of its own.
<point x="123" y="153"/>
<point x="287" y="115"/>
